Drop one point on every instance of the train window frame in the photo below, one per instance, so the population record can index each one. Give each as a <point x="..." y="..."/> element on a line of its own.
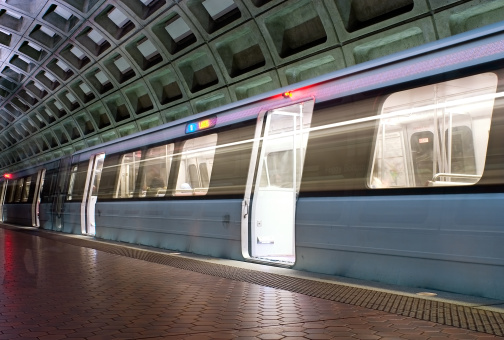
<point x="49" y="184"/>
<point x="481" y="98"/>
<point x="71" y="182"/>
<point x="193" y="150"/>
<point x="156" y="169"/>
<point x="123" y="182"/>
<point x="19" y="190"/>
<point x="11" y="191"/>
<point x="75" y="176"/>
<point x="25" y="194"/>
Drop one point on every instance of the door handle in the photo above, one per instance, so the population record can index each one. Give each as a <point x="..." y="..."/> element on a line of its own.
<point x="245" y="209"/>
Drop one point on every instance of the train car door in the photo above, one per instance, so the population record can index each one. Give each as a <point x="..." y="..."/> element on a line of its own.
<point x="279" y="152"/>
<point x="36" y="198"/>
<point x="58" y="192"/>
<point x="90" y="196"/>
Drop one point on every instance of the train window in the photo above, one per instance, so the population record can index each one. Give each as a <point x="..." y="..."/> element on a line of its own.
<point x="71" y="183"/>
<point x="128" y="173"/>
<point x="196" y="165"/>
<point x="47" y="186"/>
<point x="231" y="161"/>
<point x="98" y="170"/>
<point x="77" y="181"/>
<point x="278" y="170"/>
<point x="281" y="166"/>
<point x="109" y="175"/>
<point x="156" y="170"/>
<point x="435" y="135"/>
<point x="11" y="190"/>
<point x="19" y="189"/>
<point x="26" y="189"/>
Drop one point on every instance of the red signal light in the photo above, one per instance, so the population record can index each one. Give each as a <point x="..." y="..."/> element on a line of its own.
<point x="8" y="176"/>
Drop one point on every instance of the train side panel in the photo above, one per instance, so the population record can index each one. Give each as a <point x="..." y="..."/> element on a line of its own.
<point x="18" y="213"/>
<point x="206" y="227"/>
<point x="71" y="218"/>
<point x="444" y="242"/>
<point x="46" y="216"/>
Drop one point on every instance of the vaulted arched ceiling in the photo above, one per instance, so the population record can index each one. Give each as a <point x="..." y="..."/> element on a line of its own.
<point x="76" y="73"/>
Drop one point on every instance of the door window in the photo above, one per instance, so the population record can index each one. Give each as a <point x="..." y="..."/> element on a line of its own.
<point x="26" y="189"/>
<point x="19" y="189"/>
<point x="77" y="181"/>
<point x="128" y="173"/>
<point x="98" y="169"/>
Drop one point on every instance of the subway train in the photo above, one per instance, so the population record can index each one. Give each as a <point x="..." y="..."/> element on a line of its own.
<point x="391" y="171"/>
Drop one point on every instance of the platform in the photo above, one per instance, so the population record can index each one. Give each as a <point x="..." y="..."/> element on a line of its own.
<point x="60" y="286"/>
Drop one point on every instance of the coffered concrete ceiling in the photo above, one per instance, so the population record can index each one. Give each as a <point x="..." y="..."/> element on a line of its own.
<point x="76" y="73"/>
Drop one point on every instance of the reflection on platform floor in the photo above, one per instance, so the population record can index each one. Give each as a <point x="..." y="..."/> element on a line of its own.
<point x="56" y="290"/>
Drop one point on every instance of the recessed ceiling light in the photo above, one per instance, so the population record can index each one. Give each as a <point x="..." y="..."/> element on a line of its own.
<point x="63" y="12"/>
<point x="178" y="30"/>
<point x="96" y="37"/>
<point x="102" y="78"/>
<point x="47" y="31"/>
<point x="63" y="66"/>
<point x="218" y="8"/>
<point x="118" y="17"/>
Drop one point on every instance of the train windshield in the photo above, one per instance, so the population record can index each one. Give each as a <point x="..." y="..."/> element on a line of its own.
<point x="435" y="135"/>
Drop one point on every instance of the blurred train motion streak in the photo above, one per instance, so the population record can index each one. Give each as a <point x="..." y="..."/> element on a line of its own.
<point x="390" y="171"/>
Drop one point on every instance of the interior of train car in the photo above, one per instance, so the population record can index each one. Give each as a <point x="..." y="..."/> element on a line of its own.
<point x="434" y="135"/>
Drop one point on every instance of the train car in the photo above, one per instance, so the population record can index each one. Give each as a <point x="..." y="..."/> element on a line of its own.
<point x="31" y="198"/>
<point x="53" y="194"/>
<point x="390" y="171"/>
<point x="21" y="197"/>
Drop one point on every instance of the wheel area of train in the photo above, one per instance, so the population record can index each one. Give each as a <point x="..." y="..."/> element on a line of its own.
<point x="57" y="286"/>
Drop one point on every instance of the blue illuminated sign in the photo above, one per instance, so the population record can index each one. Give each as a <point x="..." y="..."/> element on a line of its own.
<point x="201" y="125"/>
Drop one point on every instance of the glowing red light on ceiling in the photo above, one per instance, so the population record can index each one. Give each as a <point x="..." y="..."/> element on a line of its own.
<point x="8" y="176"/>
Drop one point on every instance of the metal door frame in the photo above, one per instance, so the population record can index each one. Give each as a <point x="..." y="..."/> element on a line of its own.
<point x="86" y="209"/>
<point x="251" y="178"/>
<point x="3" y="192"/>
<point x="36" y="198"/>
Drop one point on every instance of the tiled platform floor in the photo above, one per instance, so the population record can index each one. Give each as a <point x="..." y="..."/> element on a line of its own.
<point x="53" y="290"/>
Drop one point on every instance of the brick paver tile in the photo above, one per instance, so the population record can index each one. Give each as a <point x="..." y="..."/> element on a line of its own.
<point x="82" y="293"/>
